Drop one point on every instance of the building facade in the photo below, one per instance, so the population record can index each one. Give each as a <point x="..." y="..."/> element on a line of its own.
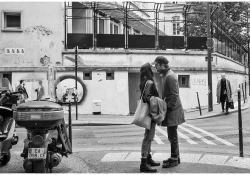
<point x="34" y="40"/>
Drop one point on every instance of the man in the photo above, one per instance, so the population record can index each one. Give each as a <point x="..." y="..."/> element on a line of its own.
<point x="40" y="90"/>
<point x="224" y="92"/>
<point x="21" y="87"/>
<point x="175" y="112"/>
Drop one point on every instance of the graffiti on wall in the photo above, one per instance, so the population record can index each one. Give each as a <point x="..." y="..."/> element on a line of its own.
<point x="200" y="81"/>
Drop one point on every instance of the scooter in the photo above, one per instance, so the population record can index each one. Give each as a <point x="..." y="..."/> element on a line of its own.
<point x="47" y="137"/>
<point x="8" y="138"/>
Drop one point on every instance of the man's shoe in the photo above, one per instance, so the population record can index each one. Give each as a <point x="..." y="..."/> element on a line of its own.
<point x="179" y="160"/>
<point x="170" y="163"/>
<point x="151" y="162"/>
<point x="226" y="112"/>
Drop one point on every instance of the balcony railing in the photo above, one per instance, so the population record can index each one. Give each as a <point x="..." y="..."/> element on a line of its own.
<point x="85" y="41"/>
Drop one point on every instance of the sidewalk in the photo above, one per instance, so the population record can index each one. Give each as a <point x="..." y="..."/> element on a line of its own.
<point x="191" y="114"/>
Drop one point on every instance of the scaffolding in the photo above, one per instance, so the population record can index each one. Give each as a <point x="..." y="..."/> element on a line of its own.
<point x="148" y="25"/>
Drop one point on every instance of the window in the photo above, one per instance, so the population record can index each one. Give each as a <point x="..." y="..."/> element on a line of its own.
<point x="183" y="81"/>
<point x="176" y="25"/>
<point x="87" y="75"/>
<point x="111" y="28"/>
<point x="115" y="29"/>
<point x="12" y="21"/>
<point x="109" y="75"/>
<point x="101" y="26"/>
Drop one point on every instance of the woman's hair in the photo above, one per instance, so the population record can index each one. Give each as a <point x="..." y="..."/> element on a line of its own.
<point x="21" y="81"/>
<point x="146" y="74"/>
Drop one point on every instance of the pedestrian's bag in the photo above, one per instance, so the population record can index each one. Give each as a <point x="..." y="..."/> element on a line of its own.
<point x="141" y="116"/>
<point x="231" y="104"/>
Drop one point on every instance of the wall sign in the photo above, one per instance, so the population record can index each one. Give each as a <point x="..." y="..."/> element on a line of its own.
<point x="14" y="51"/>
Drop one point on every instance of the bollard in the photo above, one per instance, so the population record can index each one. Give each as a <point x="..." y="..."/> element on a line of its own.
<point x="240" y="124"/>
<point x="199" y="103"/>
<point x="70" y="125"/>
<point x="245" y="90"/>
<point x="243" y="95"/>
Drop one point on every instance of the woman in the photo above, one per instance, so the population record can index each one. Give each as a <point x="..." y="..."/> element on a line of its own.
<point x="147" y="82"/>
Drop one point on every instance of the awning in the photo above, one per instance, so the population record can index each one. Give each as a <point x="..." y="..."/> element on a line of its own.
<point x="116" y="11"/>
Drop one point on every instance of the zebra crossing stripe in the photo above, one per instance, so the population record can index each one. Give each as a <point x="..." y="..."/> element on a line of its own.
<point x="162" y="131"/>
<point x="186" y="138"/>
<point x="210" y="134"/>
<point x="179" y="133"/>
<point x="114" y="157"/>
<point x="198" y="136"/>
<point x="158" y="140"/>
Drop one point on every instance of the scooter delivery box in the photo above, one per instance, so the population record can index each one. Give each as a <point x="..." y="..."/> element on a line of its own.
<point x="42" y="114"/>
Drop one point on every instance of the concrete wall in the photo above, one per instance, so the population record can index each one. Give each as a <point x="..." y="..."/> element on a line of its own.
<point x="183" y="63"/>
<point x="198" y="83"/>
<point x="113" y="94"/>
<point x="32" y="79"/>
<point x="181" y="59"/>
<point x="43" y="33"/>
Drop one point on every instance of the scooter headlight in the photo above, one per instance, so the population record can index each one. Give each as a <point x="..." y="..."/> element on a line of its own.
<point x="1" y="119"/>
<point x="37" y="140"/>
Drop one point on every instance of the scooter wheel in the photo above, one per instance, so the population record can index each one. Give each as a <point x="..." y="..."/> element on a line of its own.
<point x="6" y="158"/>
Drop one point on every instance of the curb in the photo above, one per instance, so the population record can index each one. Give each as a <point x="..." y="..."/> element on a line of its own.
<point x="218" y="114"/>
<point x="103" y="123"/>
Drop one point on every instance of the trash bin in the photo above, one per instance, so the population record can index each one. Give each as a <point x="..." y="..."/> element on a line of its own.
<point x="96" y="105"/>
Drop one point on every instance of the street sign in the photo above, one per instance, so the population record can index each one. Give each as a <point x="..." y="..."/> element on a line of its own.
<point x="210" y="43"/>
<point x="207" y="59"/>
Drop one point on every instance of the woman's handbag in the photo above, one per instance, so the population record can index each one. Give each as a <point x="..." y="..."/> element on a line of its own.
<point x="141" y="117"/>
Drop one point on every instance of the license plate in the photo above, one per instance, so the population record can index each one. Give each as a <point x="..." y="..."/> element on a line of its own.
<point x="37" y="153"/>
<point x="32" y="116"/>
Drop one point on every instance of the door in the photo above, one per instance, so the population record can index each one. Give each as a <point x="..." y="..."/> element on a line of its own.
<point x="134" y="91"/>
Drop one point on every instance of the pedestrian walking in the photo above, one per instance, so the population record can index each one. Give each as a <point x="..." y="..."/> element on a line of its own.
<point x="147" y="82"/>
<point x="21" y="88"/>
<point x="40" y="90"/>
<point x="224" y="92"/>
<point x="175" y="112"/>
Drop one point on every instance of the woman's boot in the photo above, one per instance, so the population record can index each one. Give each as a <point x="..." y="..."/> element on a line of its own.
<point x="151" y="162"/>
<point x="145" y="167"/>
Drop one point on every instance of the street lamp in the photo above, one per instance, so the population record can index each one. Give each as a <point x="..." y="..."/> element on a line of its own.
<point x="76" y="55"/>
<point x="209" y="64"/>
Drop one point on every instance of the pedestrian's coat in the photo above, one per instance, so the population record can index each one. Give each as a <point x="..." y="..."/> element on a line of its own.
<point x="170" y="93"/>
